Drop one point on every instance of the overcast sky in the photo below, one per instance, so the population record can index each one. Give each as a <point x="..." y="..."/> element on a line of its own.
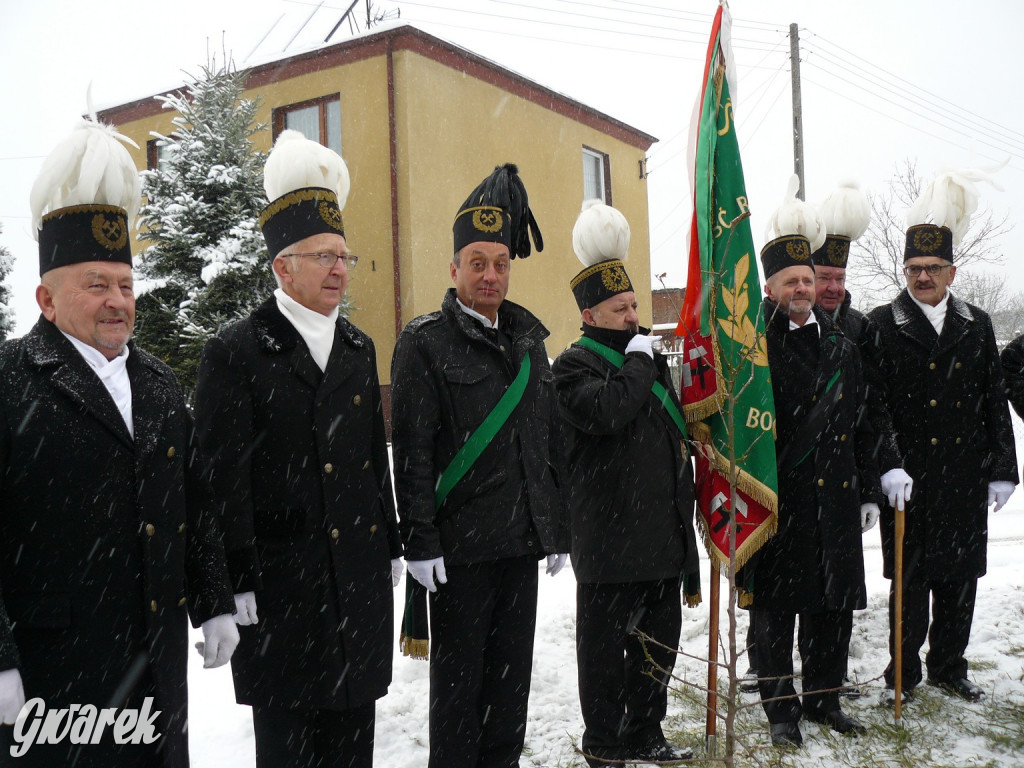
<point x="931" y="80"/>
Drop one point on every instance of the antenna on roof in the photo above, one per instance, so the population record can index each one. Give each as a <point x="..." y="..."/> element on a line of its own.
<point x="344" y="16"/>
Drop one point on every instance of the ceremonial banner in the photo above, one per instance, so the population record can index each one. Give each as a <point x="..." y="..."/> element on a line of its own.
<point x="725" y="352"/>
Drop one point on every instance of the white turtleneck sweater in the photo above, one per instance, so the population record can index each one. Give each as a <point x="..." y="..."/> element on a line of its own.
<point x="936" y="315"/>
<point x="315" y="329"/>
<point x="114" y="376"/>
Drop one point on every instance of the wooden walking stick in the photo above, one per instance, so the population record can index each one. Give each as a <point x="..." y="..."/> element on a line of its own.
<point x="898" y="640"/>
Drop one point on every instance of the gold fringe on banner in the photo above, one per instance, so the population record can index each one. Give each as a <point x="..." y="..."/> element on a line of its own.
<point x="416" y="648"/>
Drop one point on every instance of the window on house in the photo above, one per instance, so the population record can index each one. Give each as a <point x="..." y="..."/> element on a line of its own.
<point x="156" y="154"/>
<point x="317" y="120"/>
<point x="596" y="177"/>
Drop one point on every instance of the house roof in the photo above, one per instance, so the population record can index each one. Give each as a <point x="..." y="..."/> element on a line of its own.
<point x="409" y="38"/>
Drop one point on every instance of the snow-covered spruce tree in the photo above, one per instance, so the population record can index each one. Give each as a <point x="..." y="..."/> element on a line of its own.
<point x="204" y="262"/>
<point x="6" y="313"/>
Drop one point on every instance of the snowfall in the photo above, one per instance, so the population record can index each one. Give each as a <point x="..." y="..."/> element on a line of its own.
<point x="221" y="731"/>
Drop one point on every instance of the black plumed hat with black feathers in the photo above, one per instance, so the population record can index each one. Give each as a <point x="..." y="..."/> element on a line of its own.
<point x="498" y="211"/>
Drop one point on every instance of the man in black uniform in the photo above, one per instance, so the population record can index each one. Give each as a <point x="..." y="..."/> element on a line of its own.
<point x="631" y="503"/>
<point x="289" y="411"/>
<point x="813" y="567"/>
<point x="846" y="213"/>
<point x="943" y="385"/>
<point x="108" y="535"/>
<point x="475" y="437"/>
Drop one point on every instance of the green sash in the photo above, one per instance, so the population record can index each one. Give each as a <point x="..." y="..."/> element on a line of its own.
<point x="414" y="637"/>
<point x="482" y="435"/>
<point x="657" y="388"/>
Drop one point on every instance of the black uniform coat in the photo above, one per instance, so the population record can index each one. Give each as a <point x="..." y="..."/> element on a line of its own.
<point x="945" y="395"/>
<point x="447" y="374"/>
<point x="300" y="461"/>
<point x="857" y="327"/>
<point x="815" y="561"/>
<point x="630" y="486"/>
<point x="1012" y="359"/>
<point x="106" y="543"/>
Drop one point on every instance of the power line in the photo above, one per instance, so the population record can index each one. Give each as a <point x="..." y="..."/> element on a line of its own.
<point x="916" y="126"/>
<point x="936" y="120"/>
<point x="752" y="45"/>
<point x="913" y="96"/>
<point x="909" y="83"/>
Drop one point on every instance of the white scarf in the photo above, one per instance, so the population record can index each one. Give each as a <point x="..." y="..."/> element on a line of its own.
<point x="114" y="376"/>
<point x="936" y="315"/>
<point x="315" y="329"/>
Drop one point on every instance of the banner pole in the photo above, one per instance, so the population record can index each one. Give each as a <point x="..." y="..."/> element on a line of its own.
<point x="711" y="722"/>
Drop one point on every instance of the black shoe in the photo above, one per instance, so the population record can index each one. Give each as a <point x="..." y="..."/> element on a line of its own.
<point x="660" y="751"/>
<point x="786" y="735"/>
<point x="963" y="688"/>
<point x="749" y="685"/>
<point x="838" y="721"/>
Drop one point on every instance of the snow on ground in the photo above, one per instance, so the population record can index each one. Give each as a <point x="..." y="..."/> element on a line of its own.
<point x="221" y="731"/>
<point x="222" y="736"/>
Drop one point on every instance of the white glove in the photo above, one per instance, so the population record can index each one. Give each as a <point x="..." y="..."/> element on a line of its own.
<point x="999" y="493"/>
<point x="424" y="572"/>
<point x="245" y="609"/>
<point x="12" y="696"/>
<point x="868" y="516"/>
<point x="897" y="485"/>
<point x="397" y="566"/>
<point x="220" y="637"/>
<point x="555" y="563"/>
<point x="643" y="344"/>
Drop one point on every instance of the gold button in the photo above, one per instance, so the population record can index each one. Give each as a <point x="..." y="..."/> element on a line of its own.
<point x="152" y="605"/>
<point x="181" y="528"/>
<point x="181" y="602"/>
<point x="957" y="403"/>
<point x="933" y="403"/>
<point x="366" y="464"/>
<point x="935" y="441"/>
<point x="357" y="400"/>
<point x="958" y="365"/>
<point x="958" y="441"/>
<point x="840" y="396"/>
<point x="328" y="467"/>
<point x="170" y="452"/>
<point x="821" y="481"/>
<point x="335" y="533"/>
<point x="373" y="528"/>
<point x="150" y="529"/>
<point x="501" y="347"/>
<point x="846" y="483"/>
<point x="814" y="398"/>
<point x="842" y="438"/>
<point x="931" y="366"/>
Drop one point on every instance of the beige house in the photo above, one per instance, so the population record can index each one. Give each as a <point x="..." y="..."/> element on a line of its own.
<point x="420" y="122"/>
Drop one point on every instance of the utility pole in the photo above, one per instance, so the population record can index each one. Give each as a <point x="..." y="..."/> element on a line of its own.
<point x="798" y="123"/>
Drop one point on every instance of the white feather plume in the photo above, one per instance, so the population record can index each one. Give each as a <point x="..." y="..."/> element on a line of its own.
<point x="601" y="233"/>
<point x="795" y="217"/>
<point x="846" y="210"/>
<point x="90" y="166"/>
<point x="296" y="162"/>
<point x="951" y="199"/>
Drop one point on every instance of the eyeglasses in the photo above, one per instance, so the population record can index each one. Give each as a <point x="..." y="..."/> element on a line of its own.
<point x="915" y="270"/>
<point x="328" y="260"/>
